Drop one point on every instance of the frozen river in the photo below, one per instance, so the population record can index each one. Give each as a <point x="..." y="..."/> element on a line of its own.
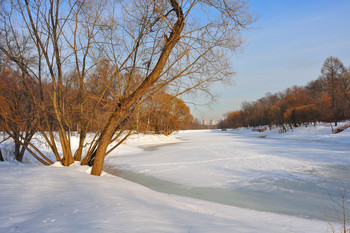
<point x="297" y="174"/>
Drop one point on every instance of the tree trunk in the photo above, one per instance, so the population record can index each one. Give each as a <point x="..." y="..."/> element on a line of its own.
<point x="78" y="153"/>
<point x="104" y="141"/>
<point x="1" y="158"/>
<point x="67" y="158"/>
<point x="17" y="152"/>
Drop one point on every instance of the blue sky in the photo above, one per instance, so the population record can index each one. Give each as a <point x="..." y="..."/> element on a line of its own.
<point x="287" y="46"/>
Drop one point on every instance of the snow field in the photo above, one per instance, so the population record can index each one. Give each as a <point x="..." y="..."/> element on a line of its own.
<point x="279" y="171"/>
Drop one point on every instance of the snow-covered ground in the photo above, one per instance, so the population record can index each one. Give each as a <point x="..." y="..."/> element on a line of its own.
<point x="282" y="181"/>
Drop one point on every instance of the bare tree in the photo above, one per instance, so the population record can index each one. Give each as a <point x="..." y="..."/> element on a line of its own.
<point x="143" y="47"/>
<point x="332" y="73"/>
<point x="17" y="115"/>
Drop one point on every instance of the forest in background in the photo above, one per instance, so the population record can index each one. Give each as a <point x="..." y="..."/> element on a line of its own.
<point x="325" y="99"/>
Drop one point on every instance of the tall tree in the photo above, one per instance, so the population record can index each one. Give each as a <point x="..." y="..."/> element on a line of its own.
<point x="332" y="72"/>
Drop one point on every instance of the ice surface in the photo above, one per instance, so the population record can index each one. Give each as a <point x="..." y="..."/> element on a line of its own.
<point x="297" y="173"/>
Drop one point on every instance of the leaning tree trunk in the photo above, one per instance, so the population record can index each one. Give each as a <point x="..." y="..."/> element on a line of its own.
<point x="120" y="112"/>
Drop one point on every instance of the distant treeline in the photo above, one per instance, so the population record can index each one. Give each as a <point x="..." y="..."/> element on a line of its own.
<point x="326" y="99"/>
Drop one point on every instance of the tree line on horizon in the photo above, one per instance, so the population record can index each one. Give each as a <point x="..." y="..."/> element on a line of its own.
<point x="326" y="99"/>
